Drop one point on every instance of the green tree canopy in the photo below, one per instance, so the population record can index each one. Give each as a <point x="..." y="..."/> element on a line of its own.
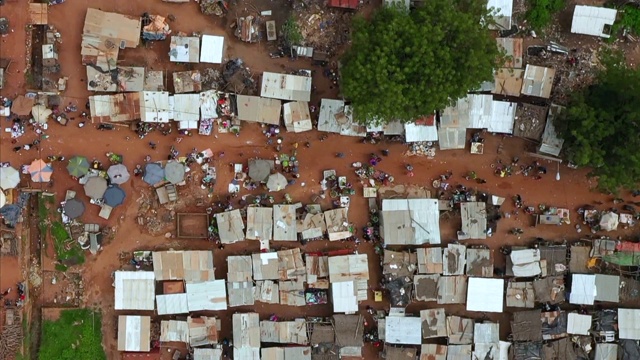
<point x="601" y="126"/>
<point x="404" y="65"/>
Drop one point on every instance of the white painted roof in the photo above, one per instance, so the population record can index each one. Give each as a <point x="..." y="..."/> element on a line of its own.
<point x="485" y="294"/>
<point x="172" y="304"/>
<point x="297" y="117"/>
<point x="591" y="20"/>
<point x="286" y="86"/>
<point x="208" y="295"/>
<point x="415" y="133"/>
<point x="134" y="290"/>
<point x="504" y="13"/>
<point x="207" y="354"/>
<point x="583" y="289"/>
<point x="403" y="330"/>
<point x="578" y="324"/>
<point x="629" y="324"/>
<point x="212" y="49"/>
<point x="344" y="297"/>
<point x="486" y="333"/>
<point x="154" y="106"/>
<point x="419" y="217"/>
<point x="134" y="333"/>
<point x="186" y="107"/>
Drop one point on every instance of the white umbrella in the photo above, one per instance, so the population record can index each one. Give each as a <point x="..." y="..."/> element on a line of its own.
<point x="9" y="178"/>
<point x="609" y="221"/>
<point x="276" y="182"/>
<point x="3" y="198"/>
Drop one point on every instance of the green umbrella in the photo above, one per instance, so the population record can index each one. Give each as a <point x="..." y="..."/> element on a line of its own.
<point x="78" y="166"/>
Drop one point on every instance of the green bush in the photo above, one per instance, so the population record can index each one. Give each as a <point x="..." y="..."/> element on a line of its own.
<point x="77" y="335"/>
<point x="541" y="12"/>
<point x="291" y="32"/>
<point x="72" y="255"/>
<point x="629" y="19"/>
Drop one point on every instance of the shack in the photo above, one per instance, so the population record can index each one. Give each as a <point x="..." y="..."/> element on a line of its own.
<point x="337" y="117"/>
<point x="406" y="330"/>
<point x="105" y="33"/>
<point x="284" y="332"/>
<point x="230" y="226"/>
<point x="154" y="106"/>
<point x="286" y="87"/>
<point x="474" y="220"/>
<point x="297" y="117"/>
<point x="134" y="290"/>
<point x="174" y="331"/>
<point x="265" y="266"/>
<point x="118" y="79"/>
<point x="593" y="20"/>
<point x="284" y="223"/>
<point x="246" y="336"/>
<point x="207" y="295"/>
<point x="187" y="81"/>
<point x="550" y="143"/>
<point x="190" y="266"/>
<point x="259" y="109"/>
<point x="184" y="49"/>
<point x="134" y="333"/>
<point x="452" y="289"/>
<point x="485" y="295"/>
<point x="337" y="224"/>
<point x="433" y="323"/>
<point x="240" y="280"/>
<point x="185" y="110"/>
<point x="203" y="331"/>
<point x="114" y="108"/>
<point x="410" y="221"/>
<point x="538" y="81"/>
<point x="479" y="262"/>
<point x="349" y="276"/>
<point x="259" y="223"/>
<point x="212" y="50"/>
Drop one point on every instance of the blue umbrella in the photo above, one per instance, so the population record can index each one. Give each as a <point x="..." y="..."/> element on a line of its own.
<point x="153" y="173"/>
<point x="114" y="196"/>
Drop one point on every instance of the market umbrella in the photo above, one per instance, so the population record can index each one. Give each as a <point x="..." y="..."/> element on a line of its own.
<point x="118" y="174"/>
<point x="40" y="171"/>
<point x="174" y="172"/>
<point x="609" y="221"/>
<point x="153" y="173"/>
<point x="114" y="196"/>
<point x="78" y="166"/>
<point x="9" y="178"/>
<point x="73" y="208"/>
<point x="259" y="169"/>
<point x="276" y="182"/>
<point x="41" y="114"/>
<point x="95" y="187"/>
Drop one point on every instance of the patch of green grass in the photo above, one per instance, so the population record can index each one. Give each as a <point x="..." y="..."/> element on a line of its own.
<point x="26" y="342"/>
<point x="541" y="12"/>
<point x="291" y="32"/>
<point x="76" y="335"/>
<point x="67" y="250"/>
<point x="629" y="19"/>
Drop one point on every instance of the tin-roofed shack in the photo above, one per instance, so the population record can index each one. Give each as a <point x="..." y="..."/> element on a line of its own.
<point x="284" y="332"/>
<point x="526" y="325"/>
<point x="265" y="266"/>
<point x="460" y="330"/>
<point x="349" y="330"/>
<point x="530" y="121"/>
<point x="134" y="290"/>
<point x="290" y="264"/>
<point x="240" y="281"/>
<point x="550" y="143"/>
<point x="335" y="116"/>
<point x="297" y="117"/>
<point x="118" y="79"/>
<point x="246" y="336"/>
<point x="433" y="352"/>
<point x="337" y="223"/>
<point x="520" y="294"/>
<point x="114" y="108"/>
<point x="513" y="51"/>
<point x="538" y="81"/>
<point x="429" y="260"/>
<point x="349" y="276"/>
<point x="259" y="109"/>
<point x="259" y="223"/>
<point x="174" y="331"/>
<point x="433" y="323"/>
<point x="452" y="289"/>
<point x="454" y="259"/>
<point x="410" y="221"/>
<point x="191" y="266"/>
<point x="187" y="81"/>
<point x="286" y="87"/>
<point x="105" y="33"/>
<point x="284" y="222"/>
<point x="398" y="269"/>
<point x="203" y="330"/>
<point x="317" y="271"/>
<point x="134" y="333"/>
<point x="426" y="287"/>
<point x="479" y="262"/>
<point x="403" y="330"/>
<point x="474" y="220"/>
<point x="184" y="49"/>
<point x="230" y="226"/>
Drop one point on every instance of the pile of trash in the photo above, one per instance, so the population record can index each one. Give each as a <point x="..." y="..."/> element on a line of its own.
<point x="213" y="7"/>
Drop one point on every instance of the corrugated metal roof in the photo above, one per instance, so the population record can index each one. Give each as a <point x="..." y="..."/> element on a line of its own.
<point x="212" y="49"/>
<point x="486" y="333"/>
<point x="429" y="260"/>
<point x="452" y="138"/>
<point x="259" y="223"/>
<point x="513" y="49"/>
<point x="607" y="288"/>
<point x="592" y="20"/>
<point x="474" y="220"/>
<point x="239" y="268"/>
<point x="129" y="79"/>
<point x="192" y="266"/>
<point x="337" y="222"/>
<point x="203" y="330"/>
<point x="154" y="106"/>
<point x="209" y="104"/>
<point x="454" y="259"/>
<point x="246" y="330"/>
<point x="115" y="108"/>
<point x="172" y="304"/>
<point x="134" y="290"/>
<point x="259" y="109"/>
<point x="344" y="297"/>
<point x="240" y="293"/>
<point x="184" y="49"/>
<point x="629" y="324"/>
<point x="187" y="81"/>
<point x="460" y="330"/>
<point x="433" y="352"/>
<point x="538" y="81"/>
<point x="606" y="352"/>
<point x="452" y="289"/>
<point x="348" y="268"/>
<point x="186" y="107"/>
<point x="286" y="86"/>
<point x="265" y="266"/>
<point x="292" y="293"/>
<point x="208" y="295"/>
<point x="284" y="332"/>
<point x="114" y="26"/>
<point x="246" y="353"/>
<point x="579" y="324"/>
<point x="415" y="133"/>
<point x="403" y="330"/>
<point x="174" y="331"/>
<point x="551" y="144"/>
<point x="410" y="221"/>
<point x="207" y="354"/>
<point x="336" y="117"/>
<point x="267" y="292"/>
<point x="287" y="353"/>
<point x="284" y="223"/>
<point x="134" y="333"/>
<point x="297" y="117"/>
<point x="230" y="226"/>
<point x="433" y="323"/>
<point x="290" y="264"/>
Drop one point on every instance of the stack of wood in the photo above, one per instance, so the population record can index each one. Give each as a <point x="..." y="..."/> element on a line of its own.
<point x="11" y="337"/>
